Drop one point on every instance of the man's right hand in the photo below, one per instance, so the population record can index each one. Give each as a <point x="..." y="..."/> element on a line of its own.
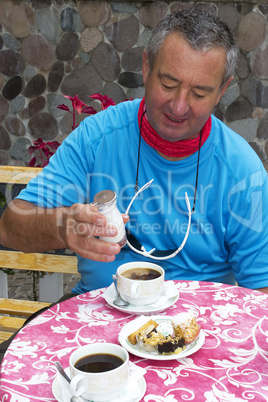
<point x="29" y="228"/>
<point x="82" y="224"/>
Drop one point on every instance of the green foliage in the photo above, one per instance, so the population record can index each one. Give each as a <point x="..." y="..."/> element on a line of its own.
<point x="2" y="201"/>
<point x="36" y="275"/>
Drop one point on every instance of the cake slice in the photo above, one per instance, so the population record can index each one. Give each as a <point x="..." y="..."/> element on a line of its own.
<point x="171" y="345"/>
<point x="145" y="329"/>
<point x="186" y="327"/>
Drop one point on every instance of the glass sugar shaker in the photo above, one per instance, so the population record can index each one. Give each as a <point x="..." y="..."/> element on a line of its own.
<point x="105" y="201"/>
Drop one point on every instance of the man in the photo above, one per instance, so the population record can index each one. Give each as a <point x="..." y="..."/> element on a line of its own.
<point x="195" y="161"/>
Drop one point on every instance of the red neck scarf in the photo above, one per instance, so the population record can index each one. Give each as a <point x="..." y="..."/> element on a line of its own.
<point x="180" y="148"/>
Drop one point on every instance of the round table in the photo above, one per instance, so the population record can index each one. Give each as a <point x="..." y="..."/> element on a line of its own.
<point x="232" y="364"/>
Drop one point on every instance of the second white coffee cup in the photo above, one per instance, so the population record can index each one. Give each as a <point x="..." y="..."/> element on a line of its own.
<point x="140" y="292"/>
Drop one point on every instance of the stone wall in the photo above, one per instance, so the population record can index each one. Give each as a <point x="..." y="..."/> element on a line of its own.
<point x="53" y="47"/>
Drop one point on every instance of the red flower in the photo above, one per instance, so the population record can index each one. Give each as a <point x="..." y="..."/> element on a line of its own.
<point x="63" y="107"/>
<point x="43" y="150"/>
<point x="89" y="110"/>
<point x="77" y="104"/>
<point x="46" y="149"/>
<point x="105" y="101"/>
<point x="78" y="107"/>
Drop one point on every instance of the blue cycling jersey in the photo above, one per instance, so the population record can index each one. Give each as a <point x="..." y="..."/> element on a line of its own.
<point x="228" y="236"/>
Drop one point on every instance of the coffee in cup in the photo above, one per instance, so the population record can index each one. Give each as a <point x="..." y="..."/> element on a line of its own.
<point x="140" y="283"/>
<point x="98" y="363"/>
<point x="99" y="372"/>
<point x="141" y="274"/>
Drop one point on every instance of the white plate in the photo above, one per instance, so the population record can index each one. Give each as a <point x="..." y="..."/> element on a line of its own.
<point x="56" y="389"/>
<point x="168" y="297"/>
<point x="134" y="349"/>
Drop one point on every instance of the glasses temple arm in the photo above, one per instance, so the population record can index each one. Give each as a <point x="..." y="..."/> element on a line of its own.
<point x="136" y="195"/>
<point x="148" y="253"/>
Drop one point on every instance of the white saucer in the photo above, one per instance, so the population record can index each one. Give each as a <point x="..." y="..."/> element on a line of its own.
<point x="168" y="297"/>
<point x="56" y="388"/>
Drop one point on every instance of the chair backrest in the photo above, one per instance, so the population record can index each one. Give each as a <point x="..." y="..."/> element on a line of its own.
<point x="17" y="174"/>
<point x="46" y="262"/>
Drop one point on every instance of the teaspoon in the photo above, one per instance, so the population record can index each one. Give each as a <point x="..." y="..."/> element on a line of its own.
<point x="67" y="378"/>
<point x="118" y="301"/>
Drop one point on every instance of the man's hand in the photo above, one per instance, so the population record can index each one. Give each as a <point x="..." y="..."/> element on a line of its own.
<point x="29" y="228"/>
<point x="264" y="290"/>
<point x="80" y="227"/>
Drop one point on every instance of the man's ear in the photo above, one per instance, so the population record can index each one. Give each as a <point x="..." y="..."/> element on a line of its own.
<point x="223" y="88"/>
<point x="145" y="66"/>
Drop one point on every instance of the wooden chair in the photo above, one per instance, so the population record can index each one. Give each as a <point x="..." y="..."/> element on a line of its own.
<point x="13" y="313"/>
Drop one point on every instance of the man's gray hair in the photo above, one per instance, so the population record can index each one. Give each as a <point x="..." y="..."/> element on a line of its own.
<point x="202" y="30"/>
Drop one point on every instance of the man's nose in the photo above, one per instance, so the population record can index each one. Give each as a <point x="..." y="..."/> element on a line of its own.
<point x="180" y="103"/>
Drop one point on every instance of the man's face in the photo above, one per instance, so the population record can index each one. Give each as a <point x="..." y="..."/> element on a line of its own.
<point x="183" y="88"/>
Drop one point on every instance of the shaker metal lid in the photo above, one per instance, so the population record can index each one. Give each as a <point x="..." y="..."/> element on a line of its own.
<point x="105" y="197"/>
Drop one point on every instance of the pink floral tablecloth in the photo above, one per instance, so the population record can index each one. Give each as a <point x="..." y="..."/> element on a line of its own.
<point x="232" y="365"/>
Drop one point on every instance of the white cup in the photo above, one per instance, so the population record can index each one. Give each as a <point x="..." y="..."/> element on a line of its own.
<point x="140" y="292"/>
<point x="101" y="386"/>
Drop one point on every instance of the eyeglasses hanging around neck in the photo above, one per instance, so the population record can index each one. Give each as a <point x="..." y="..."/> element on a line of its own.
<point x="154" y="254"/>
<point x="132" y="242"/>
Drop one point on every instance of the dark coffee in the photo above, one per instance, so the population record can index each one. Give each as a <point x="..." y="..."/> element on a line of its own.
<point x="141" y="274"/>
<point x="98" y="363"/>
